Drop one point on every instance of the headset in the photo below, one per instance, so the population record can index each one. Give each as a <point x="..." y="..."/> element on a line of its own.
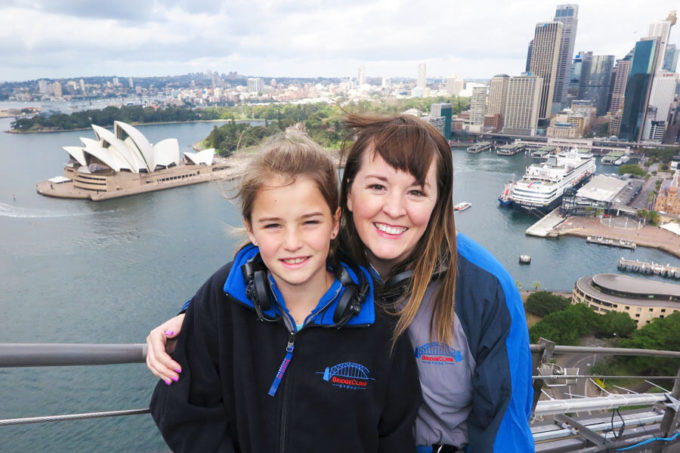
<point x="258" y="290"/>
<point x="398" y="286"/>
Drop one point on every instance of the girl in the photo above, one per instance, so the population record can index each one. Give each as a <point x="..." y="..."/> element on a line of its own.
<point x="459" y="305"/>
<point x="282" y="349"/>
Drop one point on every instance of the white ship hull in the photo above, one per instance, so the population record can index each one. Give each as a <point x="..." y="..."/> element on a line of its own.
<point x="543" y="185"/>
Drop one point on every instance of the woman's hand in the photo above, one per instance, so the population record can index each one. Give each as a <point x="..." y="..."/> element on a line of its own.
<point x="159" y="345"/>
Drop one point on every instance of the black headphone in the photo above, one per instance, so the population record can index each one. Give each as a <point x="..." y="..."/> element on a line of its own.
<point x="257" y="286"/>
<point x="398" y="286"/>
<point x="259" y="292"/>
<point x="354" y="295"/>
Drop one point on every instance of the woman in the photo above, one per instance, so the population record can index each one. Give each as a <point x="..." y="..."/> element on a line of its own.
<point x="460" y="306"/>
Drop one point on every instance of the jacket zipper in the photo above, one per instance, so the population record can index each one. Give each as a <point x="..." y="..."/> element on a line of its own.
<point x="275" y="385"/>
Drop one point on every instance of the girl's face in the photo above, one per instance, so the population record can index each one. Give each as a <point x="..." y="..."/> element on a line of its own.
<point x="293" y="226"/>
<point x="390" y="209"/>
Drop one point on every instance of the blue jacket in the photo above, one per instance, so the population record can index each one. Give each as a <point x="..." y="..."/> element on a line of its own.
<point x="256" y="386"/>
<point x="479" y="391"/>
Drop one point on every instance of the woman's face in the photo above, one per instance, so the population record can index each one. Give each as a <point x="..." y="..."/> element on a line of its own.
<point x="390" y="209"/>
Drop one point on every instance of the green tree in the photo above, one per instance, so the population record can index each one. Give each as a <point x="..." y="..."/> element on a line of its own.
<point x="542" y="303"/>
<point x="662" y="333"/>
<point x="565" y="327"/>
<point x="616" y="324"/>
<point x="633" y="169"/>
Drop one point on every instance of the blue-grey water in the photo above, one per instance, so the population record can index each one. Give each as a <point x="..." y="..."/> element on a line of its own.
<point x="107" y="272"/>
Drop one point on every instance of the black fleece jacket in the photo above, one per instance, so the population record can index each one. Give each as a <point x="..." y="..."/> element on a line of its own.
<point x="343" y="390"/>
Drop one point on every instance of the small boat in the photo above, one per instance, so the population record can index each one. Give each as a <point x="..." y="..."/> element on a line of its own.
<point x="504" y="198"/>
<point x="524" y="259"/>
<point x="462" y="206"/>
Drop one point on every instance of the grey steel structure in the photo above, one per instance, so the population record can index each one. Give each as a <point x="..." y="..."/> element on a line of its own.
<point x="558" y="424"/>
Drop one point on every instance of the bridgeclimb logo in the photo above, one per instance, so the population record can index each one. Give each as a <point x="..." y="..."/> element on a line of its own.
<point x="440" y="354"/>
<point x="347" y="375"/>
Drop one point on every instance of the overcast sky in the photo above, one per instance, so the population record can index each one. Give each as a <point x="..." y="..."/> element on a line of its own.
<point x="299" y="38"/>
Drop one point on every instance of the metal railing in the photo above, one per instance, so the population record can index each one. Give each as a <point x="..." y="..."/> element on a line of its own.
<point x="655" y="426"/>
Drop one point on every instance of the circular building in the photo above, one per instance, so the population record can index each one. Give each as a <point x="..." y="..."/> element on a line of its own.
<point x="642" y="299"/>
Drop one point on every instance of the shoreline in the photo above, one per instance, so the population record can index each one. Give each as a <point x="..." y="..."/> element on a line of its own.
<point x="53" y="131"/>
<point x="644" y="236"/>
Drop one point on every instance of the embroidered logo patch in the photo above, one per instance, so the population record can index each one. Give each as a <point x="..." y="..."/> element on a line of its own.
<point x="347" y="375"/>
<point x="440" y="354"/>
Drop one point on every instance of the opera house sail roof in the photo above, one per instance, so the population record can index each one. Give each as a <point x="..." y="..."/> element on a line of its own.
<point x="123" y="162"/>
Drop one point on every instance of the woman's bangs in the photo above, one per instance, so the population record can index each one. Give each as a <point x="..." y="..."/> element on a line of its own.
<point x="396" y="147"/>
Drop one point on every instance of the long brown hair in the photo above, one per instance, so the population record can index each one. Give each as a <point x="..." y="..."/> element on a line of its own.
<point x="409" y="144"/>
<point x="290" y="156"/>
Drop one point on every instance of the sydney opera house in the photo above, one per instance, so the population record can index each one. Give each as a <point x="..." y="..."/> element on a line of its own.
<point x="123" y="162"/>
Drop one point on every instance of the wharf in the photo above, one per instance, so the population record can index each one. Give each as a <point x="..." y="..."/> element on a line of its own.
<point x="644" y="267"/>
<point x="545" y="228"/>
<point x="621" y="228"/>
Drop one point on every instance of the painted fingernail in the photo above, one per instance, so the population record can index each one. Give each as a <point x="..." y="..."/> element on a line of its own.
<point x="167" y="381"/>
<point x="175" y="378"/>
<point x="179" y="370"/>
<point x="169" y="332"/>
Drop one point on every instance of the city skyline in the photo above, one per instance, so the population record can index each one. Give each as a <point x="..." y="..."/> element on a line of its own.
<point x="74" y="38"/>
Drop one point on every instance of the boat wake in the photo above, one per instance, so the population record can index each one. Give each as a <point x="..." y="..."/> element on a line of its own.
<point x="9" y="210"/>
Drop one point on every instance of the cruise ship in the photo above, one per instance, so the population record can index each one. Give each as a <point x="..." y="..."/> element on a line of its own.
<point x="543" y="184"/>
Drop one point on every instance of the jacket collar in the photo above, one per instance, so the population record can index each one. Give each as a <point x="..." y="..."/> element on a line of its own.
<point x="322" y="315"/>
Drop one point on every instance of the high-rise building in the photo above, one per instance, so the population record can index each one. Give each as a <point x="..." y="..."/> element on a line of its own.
<point x="43" y="86"/>
<point x="575" y="75"/>
<point x="255" y="85"/>
<point x="422" y="75"/>
<point x="660" y="98"/>
<point x="444" y="111"/>
<point x="478" y="105"/>
<point x="639" y="84"/>
<point x="498" y="94"/>
<point x="670" y="61"/>
<point x="619" y="80"/>
<point x="568" y="15"/>
<point x="454" y="85"/>
<point x="530" y="49"/>
<point x="82" y="85"/>
<point x="522" y="105"/>
<point x="362" y="75"/>
<point x="544" y="59"/>
<point x="131" y="83"/>
<point x="56" y="89"/>
<point x="661" y="30"/>
<point x="596" y="82"/>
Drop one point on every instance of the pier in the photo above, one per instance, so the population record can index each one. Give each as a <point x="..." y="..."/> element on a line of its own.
<point x="544" y="228"/>
<point x="601" y="240"/>
<point x="644" y="267"/>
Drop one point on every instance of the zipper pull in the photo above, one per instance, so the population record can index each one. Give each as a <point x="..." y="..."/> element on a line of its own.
<point x="284" y="365"/>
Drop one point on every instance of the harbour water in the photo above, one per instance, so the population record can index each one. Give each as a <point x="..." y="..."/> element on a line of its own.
<point x="106" y="272"/>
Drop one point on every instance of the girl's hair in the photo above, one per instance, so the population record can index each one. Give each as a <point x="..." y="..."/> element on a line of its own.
<point x="289" y="156"/>
<point x="411" y="145"/>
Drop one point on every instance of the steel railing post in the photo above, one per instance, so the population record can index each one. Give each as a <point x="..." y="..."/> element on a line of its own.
<point x="548" y="347"/>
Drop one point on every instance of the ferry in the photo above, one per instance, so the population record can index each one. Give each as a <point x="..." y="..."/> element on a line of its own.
<point x="479" y="147"/>
<point x="462" y="206"/>
<point x="510" y="149"/>
<point x="612" y="157"/>
<point x="542" y="153"/>
<point x="543" y="184"/>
